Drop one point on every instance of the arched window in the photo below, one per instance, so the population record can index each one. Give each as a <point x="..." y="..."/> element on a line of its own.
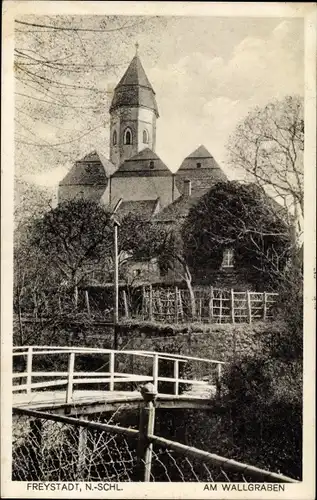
<point x="145" y="137"/>
<point x="127" y="138"/>
<point x="114" y="138"/>
<point x="198" y="164"/>
<point x="151" y="164"/>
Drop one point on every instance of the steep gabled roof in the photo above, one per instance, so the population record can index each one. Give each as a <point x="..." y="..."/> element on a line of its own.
<point x="134" y="89"/>
<point x="144" y="163"/>
<point x="201" y="168"/>
<point x="205" y="160"/>
<point x="93" y="169"/>
<point x="200" y="152"/>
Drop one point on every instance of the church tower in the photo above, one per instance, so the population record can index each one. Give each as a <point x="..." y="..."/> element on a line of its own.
<point x="133" y="114"/>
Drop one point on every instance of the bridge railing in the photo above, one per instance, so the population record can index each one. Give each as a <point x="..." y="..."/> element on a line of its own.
<point x="122" y="367"/>
<point x="48" y="447"/>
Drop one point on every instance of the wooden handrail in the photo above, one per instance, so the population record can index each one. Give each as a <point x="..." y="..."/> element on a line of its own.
<point x="88" y="350"/>
<point x="111" y="377"/>
<point x="255" y="473"/>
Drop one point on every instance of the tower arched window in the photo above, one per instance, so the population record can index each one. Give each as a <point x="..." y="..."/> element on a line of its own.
<point x="127" y="138"/>
<point x="145" y="137"/>
<point x="114" y="138"/>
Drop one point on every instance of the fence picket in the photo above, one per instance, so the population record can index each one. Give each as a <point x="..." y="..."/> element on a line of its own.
<point x="232" y="306"/>
<point x="249" y="307"/>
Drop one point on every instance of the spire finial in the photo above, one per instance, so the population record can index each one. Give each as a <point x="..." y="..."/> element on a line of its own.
<point x="136" y="48"/>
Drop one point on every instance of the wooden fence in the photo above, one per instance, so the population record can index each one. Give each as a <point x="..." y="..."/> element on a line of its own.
<point x="212" y="305"/>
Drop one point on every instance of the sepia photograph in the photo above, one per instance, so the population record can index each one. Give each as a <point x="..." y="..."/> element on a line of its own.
<point x="157" y="251"/>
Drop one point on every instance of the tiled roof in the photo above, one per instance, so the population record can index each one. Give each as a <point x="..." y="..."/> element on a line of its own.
<point x="177" y="210"/>
<point x="144" y="163"/>
<point x="144" y="208"/>
<point x="93" y="169"/>
<point x="200" y="152"/>
<point x="201" y="169"/>
<point x="134" y="89"/>
<point x="200" y="160"/>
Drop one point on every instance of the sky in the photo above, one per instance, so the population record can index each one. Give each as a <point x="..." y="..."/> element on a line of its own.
<point x="207" y="72"/>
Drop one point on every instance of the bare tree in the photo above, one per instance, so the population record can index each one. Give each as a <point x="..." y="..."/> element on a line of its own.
<point x="173" y="258"/>
<point x="268" y="145"/>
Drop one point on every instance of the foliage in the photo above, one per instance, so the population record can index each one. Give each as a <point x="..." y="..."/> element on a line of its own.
<point x="139" y="238"/>
<point x="268" y="144"/>
<point x="241" y="217"/>
<point x="76" y="236"/>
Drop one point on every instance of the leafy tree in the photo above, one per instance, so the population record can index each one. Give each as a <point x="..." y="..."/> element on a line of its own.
<point x="76" y="237"/>
<point x="140" y="239"/>
<point x="268" y="145"/>
<point x="243" y="218"/>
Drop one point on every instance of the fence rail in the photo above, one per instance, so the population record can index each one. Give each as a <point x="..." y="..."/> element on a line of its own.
<point x="42" y="367"/>
<point x="210" y="305"/>
<point x="50" y="447"/>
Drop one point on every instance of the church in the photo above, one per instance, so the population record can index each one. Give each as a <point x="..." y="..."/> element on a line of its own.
<point x="134" y="178"/>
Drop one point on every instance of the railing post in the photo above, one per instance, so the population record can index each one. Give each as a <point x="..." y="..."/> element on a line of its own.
<point x="155" y="371"/>
<point x="146" y="429"/>
<point x="111" y="370"/>
<point x="176" y="376"/>
<point x="218" y="380"/>
<point x="29" y="363"/>
<point x="71" y="364"/>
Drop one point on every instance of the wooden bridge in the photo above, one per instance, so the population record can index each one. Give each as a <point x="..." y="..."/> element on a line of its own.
<point x="76" y="380"/>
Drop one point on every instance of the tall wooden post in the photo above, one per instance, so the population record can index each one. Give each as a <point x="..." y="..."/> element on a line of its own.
<point x="218" y="380"/>
<point x="143" y="308"/>
<point x="220" y="306"/>
<point x="232" y="306"/>
<point x="116" y="275"/>
<point x="200" y="309"/>
<point x="176" y="305"/>
<point x="82" y="447"/>
<point x="125" y="304"/>
<point x="249" y="307"/>
<point x="211" y="304"/>
<point x="150" y="303"/>
<point x="146" y="430"/>
<point x="264" y="306"/>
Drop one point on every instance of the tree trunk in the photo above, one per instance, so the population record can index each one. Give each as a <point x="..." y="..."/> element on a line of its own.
<point x="188" y="279"/>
